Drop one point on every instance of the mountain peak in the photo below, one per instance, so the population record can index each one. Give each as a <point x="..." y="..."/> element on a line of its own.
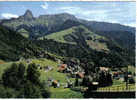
<point x="28" y="15"/>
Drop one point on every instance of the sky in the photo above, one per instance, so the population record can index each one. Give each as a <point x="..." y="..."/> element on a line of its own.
<point x="113" y="12"/>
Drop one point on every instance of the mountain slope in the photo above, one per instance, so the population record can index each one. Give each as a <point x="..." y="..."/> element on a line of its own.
<point x="124" y="38"/>
<point x="13" y="46"/>
<point x="71" y="36"/>
<point x="104" y="26"/>
<point x="81" y="43"/>
<point x="63" y="34"/>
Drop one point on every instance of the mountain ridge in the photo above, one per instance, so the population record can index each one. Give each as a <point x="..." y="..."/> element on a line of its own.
<point x="67" y="16"/>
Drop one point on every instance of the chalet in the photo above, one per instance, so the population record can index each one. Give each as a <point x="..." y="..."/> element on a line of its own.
<point x="55" y="83"/>
<point x="48" y="68"/>
<point x="62" y="68"/>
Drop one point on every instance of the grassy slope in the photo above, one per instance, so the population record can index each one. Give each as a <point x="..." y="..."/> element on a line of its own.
<point x="24" y="33"/>
<point x="44" y="75"/>
<point x="55" y="92"/>
<point x="59" y="37"/>
<point x="64" y="93"/>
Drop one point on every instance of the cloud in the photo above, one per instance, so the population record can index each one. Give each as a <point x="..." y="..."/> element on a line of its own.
<point x="91" y="12"/>
<point x="84" y="13"/>
<point x="71" y="10"/>
<point x="105" y="12"/>
<point x="9" y="15"/>
<point x="45" y="5"/>
<point x="81" y="11"/>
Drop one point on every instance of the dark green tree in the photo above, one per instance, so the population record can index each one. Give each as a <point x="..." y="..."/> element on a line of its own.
<point x="21" y="71"/>
<point x="33" y="74"/>
<point x="102" y="79"/>
<point x="90" y="67"/>
<point x="9" y="77"/>
<point x="76" y="82"/>
<point x="104" y="62"/>
<point x="109" y="79"/>
<point x="7" y="92"/>
<point x="31" y="90"/>
<point x="19" y="85"/>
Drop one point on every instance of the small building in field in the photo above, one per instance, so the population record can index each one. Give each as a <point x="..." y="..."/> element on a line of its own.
<point x="48" y="68"/>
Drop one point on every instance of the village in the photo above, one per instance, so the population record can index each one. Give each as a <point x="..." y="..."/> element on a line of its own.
<point x="72" y="70"/>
